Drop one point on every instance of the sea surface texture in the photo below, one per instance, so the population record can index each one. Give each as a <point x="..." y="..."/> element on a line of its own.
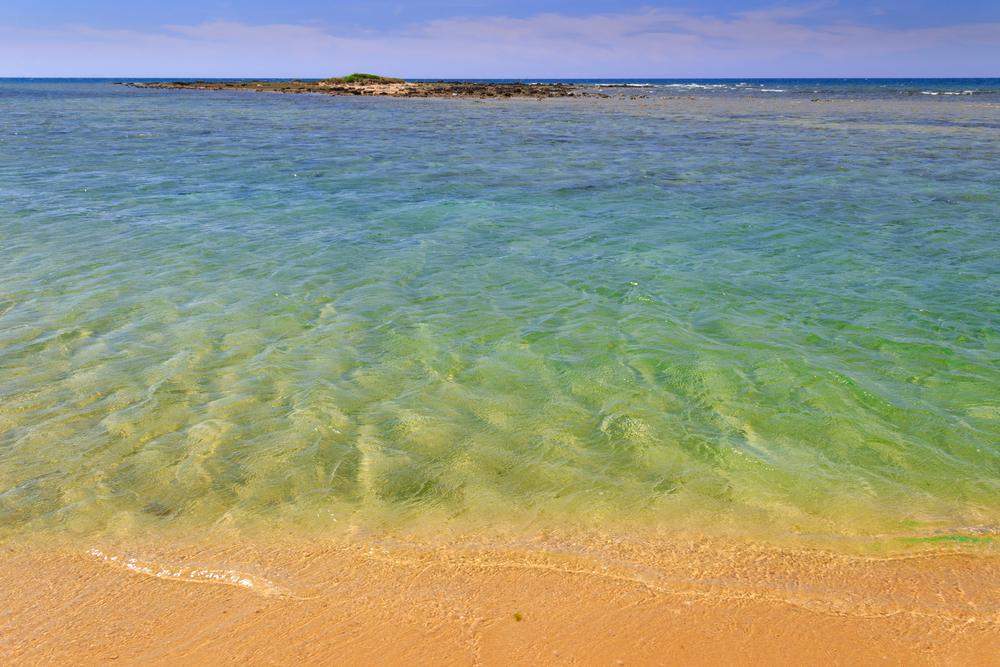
<point x="773" y="308"/>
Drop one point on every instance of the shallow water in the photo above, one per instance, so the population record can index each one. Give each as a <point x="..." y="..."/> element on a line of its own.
<point x="232" y="309"/>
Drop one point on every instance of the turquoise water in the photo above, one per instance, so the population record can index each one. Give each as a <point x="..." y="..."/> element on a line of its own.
<point x="237" y="309"/>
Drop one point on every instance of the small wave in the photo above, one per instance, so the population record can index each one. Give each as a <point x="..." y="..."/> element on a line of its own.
<point x="773" y="90"/>
<point x="948" y="92"/>
<point x="194" y="574"/>
<point x="696" y="85"/>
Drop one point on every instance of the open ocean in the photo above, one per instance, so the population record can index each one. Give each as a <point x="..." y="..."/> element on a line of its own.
<point x="771" y="310"/>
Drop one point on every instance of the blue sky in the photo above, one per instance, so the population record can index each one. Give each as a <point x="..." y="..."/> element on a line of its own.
<point x="500" y="38"/>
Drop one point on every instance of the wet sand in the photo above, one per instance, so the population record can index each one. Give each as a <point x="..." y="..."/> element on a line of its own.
<point x="539" y="601"/>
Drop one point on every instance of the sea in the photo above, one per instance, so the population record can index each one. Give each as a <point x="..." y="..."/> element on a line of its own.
<point x="764" y="308"/>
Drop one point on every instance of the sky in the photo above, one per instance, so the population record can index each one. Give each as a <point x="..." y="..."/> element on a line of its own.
<point x="501" y="38"/>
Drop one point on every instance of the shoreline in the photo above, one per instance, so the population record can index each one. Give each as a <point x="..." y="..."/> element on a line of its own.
<point x="584" y="600"/>
<point x="387" y="88"/>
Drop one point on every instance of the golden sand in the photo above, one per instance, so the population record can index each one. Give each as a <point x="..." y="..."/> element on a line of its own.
<point x="599" y="601"/>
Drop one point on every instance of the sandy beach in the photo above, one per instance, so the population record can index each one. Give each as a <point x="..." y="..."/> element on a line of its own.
<point x="583" y="601"/>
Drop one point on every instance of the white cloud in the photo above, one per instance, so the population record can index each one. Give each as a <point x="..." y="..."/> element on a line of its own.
<point x="646" y="43"/>
<point x="231" y="32"/>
